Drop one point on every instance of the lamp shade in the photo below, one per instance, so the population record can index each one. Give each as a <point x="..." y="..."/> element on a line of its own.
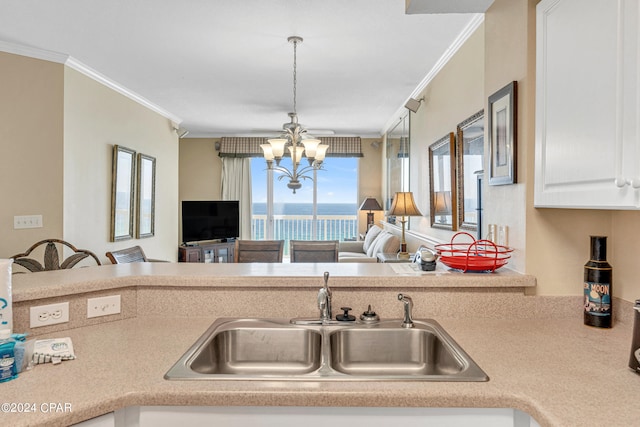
<point x="370" y="204"/>
<point x="310" y="147"/>
<point x="268" y="152"/>
<point x="442" y="203"/>
<point x="277" y="147"/>
<point x="321" y="152"/>
<point x="404" y="205"/>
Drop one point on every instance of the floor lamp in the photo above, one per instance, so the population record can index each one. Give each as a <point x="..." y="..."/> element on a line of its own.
<point x="370" y="204"/>
<point x="404" y="205"/>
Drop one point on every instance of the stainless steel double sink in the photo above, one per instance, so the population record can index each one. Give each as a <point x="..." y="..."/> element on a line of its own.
<point x="275" y="349"/>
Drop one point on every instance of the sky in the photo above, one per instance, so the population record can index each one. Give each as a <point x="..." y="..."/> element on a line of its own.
<point x="337" y="183"/>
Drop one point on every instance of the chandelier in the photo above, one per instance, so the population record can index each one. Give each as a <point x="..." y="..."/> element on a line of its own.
<point x="294" y="138"/>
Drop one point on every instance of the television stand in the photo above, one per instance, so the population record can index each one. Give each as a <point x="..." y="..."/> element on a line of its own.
<point x="211" y="252"/>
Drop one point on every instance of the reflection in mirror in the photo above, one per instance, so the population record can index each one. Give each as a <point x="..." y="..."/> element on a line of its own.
<point x="442" y="188"/>
<point x="470" y="149"/>
<point x="123" y="173"/>
<point x="397" y="154"/>
<point x="145" y="196"/>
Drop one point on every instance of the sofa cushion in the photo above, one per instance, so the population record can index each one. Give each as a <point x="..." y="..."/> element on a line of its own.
<point x="391" y="246"/>
<point x="370" y="237"/>
<point x="372" y="247"/>
<point x="379" y="244"/>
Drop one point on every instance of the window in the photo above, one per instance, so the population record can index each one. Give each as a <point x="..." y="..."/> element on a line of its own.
<point x="324" y="209"/>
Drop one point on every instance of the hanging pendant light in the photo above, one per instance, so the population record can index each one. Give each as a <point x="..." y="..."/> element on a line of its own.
<point x="294" y="140"/>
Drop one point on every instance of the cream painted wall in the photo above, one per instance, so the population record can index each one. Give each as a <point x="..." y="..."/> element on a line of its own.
<point x="369" y="179"/>
<point x="31" y="164"/>
<point x="456" y="93"/>
<point x="507" y="58"/>
<point x="200" y="169"/>
<point x="96" y="118"/>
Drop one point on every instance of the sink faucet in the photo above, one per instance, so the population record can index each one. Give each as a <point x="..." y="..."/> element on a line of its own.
<point x="324" y="299"/>
<point x="407" y="322"/>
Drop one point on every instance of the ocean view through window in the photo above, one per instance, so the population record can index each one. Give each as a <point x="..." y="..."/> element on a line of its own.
<point x="292" y="216"/>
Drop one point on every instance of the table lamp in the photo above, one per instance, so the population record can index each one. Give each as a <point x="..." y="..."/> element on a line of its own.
<point x="404" y="205"/>
<point x="442" y="205"/>
<point x="370" y="204"/>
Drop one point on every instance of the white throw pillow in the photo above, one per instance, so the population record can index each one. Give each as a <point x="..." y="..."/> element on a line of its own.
<point x="379" y="243"/>
<point x="370" y="237"/>
<point x="392" y="245"/>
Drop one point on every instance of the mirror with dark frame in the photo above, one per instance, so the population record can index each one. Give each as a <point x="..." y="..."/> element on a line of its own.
<point x="470" y="154"/>
<point x="442" y="178"/>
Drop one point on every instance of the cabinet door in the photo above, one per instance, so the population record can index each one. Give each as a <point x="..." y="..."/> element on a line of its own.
<point x="193" y="255"/>
<point x="586" y="110"/>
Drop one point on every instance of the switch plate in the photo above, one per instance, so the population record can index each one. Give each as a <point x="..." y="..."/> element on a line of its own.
<point x="103" y="306"/>
<point x="50" y="314"/>
<point x="27" y="221"/>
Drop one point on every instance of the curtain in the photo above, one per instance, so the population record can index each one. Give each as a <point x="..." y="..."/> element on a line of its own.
<point x="236" y="185"/>
<point x="250" y="146"/>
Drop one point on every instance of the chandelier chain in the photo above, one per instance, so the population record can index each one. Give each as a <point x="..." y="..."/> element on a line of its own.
<point x="295" y="75"/>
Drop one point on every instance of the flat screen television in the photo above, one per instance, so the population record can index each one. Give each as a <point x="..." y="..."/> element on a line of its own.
<point x="210" y="220"/>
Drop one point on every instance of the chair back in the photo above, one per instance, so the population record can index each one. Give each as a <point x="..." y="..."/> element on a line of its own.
<point x="51" y="257"/>
<point x="259" y="250"/>
<point x="313" y="250"/>
<point x="125" y="256"/>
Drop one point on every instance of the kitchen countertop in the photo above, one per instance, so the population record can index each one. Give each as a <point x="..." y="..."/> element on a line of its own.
<point x="559" y="371"/>
<point x="89" y="279"/>
<point x="539" y="356"/>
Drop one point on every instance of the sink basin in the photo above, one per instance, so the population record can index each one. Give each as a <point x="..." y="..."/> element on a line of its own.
<point x="275" y="349"/>
<point x="259" y="350"/>
<point x="377" y="352"/>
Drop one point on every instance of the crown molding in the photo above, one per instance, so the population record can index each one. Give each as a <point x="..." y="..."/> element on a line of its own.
<point x="69" y="61"/>
<point x="106" y="81"/>
<point x="32" y="52"/>
<point x="464" y="35"/>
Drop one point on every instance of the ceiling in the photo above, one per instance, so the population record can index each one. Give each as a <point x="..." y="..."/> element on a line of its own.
<point x="224" y="67"/>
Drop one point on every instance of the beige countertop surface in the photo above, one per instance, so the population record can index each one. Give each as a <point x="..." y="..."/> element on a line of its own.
<point x="559" y="371"/>
<point x="539" y="356"/>
<point x="89" y="279"/>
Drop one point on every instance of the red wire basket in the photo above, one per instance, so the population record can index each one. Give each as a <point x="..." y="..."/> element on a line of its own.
<point x="477" y="255"/>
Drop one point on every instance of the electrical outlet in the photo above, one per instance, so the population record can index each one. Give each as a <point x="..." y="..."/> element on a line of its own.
<point x="51" y="314"/>
<point x="27" y="221"/>
<point x="103" y="306"/>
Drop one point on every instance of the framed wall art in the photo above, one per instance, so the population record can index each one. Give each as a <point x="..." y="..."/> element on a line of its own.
<point x="122" y="191"/>
<point x="146" y="196"/>
<point x="502" y="125"/>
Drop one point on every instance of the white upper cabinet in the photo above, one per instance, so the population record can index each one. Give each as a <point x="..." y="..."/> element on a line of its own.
<point x="587" y="104"/>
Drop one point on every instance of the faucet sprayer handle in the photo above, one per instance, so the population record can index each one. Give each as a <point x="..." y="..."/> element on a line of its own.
<point x="407" y="322"/>
<point x="326" y="279"/>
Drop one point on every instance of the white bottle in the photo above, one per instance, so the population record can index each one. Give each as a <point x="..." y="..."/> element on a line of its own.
<point x="6" y="314"/>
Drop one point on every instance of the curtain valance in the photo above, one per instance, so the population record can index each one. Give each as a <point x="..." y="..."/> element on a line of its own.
<point x="250" y="146"/>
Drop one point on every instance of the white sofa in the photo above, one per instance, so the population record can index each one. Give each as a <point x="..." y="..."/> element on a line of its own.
<point x="376" y="241"/>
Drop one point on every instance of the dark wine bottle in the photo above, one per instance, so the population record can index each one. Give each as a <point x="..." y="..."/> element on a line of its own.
<point x="597" y="285"/>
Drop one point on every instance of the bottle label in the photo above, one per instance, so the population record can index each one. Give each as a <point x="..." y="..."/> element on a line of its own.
<point x="597" y="299"/>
